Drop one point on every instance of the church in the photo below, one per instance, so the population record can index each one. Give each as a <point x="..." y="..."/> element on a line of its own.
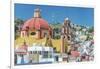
<point x="66" y="36"/>
<point x="36" y="27"/>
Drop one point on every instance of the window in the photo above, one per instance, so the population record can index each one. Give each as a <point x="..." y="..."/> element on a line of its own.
<point x="45" y="34"/>
<point x="30" y="52"/>
<point x="45" y="54"/>
<point x="40" y="52"/>
<point x="33" y="33"/>
<point x="50" y="54"/>
<point x="35" y="52"/>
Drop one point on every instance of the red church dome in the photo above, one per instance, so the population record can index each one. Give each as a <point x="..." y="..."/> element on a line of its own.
<point x="36" y="23"/>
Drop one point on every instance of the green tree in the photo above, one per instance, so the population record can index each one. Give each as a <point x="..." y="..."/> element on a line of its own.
<point x="17" y="23"/>
<point x="91" y="29"/>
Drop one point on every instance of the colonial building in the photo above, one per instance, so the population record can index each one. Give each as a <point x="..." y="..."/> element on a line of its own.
<point x="65" y="35"/>
<point x="21" y="54"/>
<point x="36" y="27"/>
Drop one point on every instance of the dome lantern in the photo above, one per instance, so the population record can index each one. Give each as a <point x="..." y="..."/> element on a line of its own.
<point x="37" y="13"/>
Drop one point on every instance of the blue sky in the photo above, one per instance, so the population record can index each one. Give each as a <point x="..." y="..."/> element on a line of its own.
<point x="53" y="14"/>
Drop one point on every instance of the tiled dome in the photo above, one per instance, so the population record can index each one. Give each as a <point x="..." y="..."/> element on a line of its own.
<point x="35" y="23"/>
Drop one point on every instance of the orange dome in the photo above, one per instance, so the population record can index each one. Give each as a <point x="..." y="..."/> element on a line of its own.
<point x="35" y="23"/>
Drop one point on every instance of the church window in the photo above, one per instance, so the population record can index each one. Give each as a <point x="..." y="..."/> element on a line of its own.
<point x="33" y="33"/>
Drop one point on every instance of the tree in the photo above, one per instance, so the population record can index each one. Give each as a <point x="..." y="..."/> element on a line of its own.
<point x="17" y="23"/>
<point x="91" y="29"/>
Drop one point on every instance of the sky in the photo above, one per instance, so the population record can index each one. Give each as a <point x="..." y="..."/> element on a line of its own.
<point x="53" y="14"/>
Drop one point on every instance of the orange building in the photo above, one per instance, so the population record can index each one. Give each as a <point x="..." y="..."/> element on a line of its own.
<point x="65" y="35"/>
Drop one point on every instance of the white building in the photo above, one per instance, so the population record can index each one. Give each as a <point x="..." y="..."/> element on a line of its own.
<point x="40" y="54"/>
